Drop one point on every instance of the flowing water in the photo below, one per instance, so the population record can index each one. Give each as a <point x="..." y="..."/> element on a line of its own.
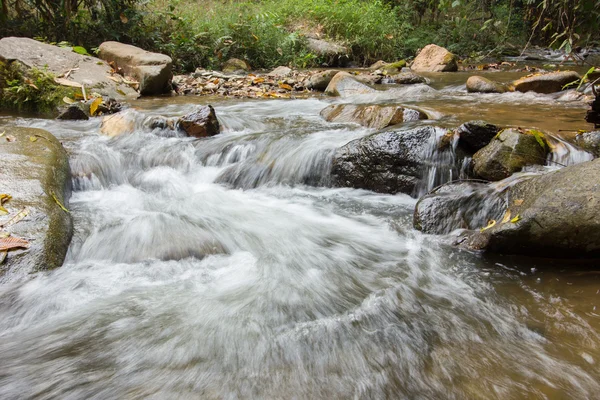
<point x="226" y="268"/>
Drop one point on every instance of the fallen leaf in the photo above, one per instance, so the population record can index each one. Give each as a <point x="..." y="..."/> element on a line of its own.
<point x="506" y="217"/>
<point x="58" y="202"/>
<point x="17" y="218"/>
<point x="123" y="18"/>
<point x="2" y="133"/>
<point x="518" y="202"/>
<point x="68" y="100"/>
<point x="32" y="139"/>
<point x="491" y="224"/>
<point x="3" y="256"/>
<point x="285" y="86"/>
<point x="66" y="82"/>
<point x="11" y="243"/>
<point x="114" y="78"/>
<point x="11" y="138"/>
<point x="516" y="219"/>
<point x="94" y="106"/>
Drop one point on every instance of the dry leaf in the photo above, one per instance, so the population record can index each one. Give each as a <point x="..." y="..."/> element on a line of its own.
<point x="3" y="256"/>
<point x="490" y="224"/>
<point x="123" y="18"/>
<point x="506" y="217"/>
<point x="11" y="243"/>
<point x="32" y="139"/>
<point x="518" y="202"/>
<point x="11" y="138"/>
<point x="66" y="82"/>
<point x="17" y="218"/>
<point x="94" y="106"/>
<point x="285" y="86"/>
<point x="68" y="100"/>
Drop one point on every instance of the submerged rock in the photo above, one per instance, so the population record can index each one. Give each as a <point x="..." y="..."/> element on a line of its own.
<point x="343" y="84"/>
<point x="36" y="173"/>
<point x="509" y="152"/>
<point x="552" y="215"/>
<point x="386" y="162"/>
<point x="464" y="205"/>
<point x="434" y="58"/>
<point x="474" y="135"/>
<point x="372" y="116"/>
<point x="320" y="80"/>
<point x="479" y="84"/>
<point x="200" y="123"/>
<point x="546" y="83"/>
<point x="153" y="71"/>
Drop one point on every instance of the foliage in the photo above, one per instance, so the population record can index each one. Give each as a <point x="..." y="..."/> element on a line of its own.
<point x="34" y="90"/>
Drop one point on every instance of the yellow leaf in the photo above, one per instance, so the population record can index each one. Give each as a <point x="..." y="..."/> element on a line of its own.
<point x="255" y="37"/>
<point x="518" y="202"/>
<point x="516" y="219"/>
<point x="2" y="133"/>
<point x="94" y="106"/>
<point x="32" y="139"/>
<point x="285" y="86"/>
<point x="58" y="202"/>
<point x="259" y="80"/>
<point x="22" y="214"/>
<point x="506" y="217"/>
<point x="491" y="224"/>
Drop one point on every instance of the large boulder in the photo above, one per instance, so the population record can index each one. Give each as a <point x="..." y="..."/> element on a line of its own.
<point x="372" y="116"/>
<point x="118" y="124"/>
<point x="75" y="69"/>
<point x="546" y="83"/>
<point x="320" y="80"/>
<point x="434" y="58"/>
<point x="464" y="205"/>
<point x="479" y="84"/>
<point x="234" y="65"/>
<point x="509" y="152"/>
<point x="552" y="215"/>
<point x="200" y="123"/>
<point x="343" y="84"/>
<point x="35" y="172"/>
<point x="386" y="162"/>
<point x="475" y="135"/>
<point x="153" y="71"/>
<point x="589" y="141"/>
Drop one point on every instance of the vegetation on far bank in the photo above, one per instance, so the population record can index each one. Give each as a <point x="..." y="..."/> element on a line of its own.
<point x="268" y="33"/>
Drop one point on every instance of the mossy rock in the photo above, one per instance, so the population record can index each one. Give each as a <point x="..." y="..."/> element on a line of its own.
<point x="394" y="68"/>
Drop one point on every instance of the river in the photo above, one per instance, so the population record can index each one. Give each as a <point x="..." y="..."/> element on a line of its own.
<point x="226" y="268"/>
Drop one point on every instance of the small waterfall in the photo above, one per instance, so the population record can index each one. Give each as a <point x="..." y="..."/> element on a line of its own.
<point x="563" y="153"/>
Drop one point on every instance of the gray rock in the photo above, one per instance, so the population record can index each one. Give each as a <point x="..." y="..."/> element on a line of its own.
<point x="74" y="112"/>
<point x="589" y="141"/>
<point x="281" y="72"/>
<point x="343" y="84"/>
<point x="554" y="215"/>
<point x="479" y="84"/>
<point x="335" y="53"/>
<point x="387" y="162"/>
<point x="90" y="71"/>
<point x="508" y="153"/>
<point x="372" y="116"/>
<point x="474" y="135"/>
<point x="320" y="80"/>
<point x="464" y="205"/>
<point x="546" y="83"/>
<point x="434" y="58"/>
<point x="200" y="123"/>
<point x="153" y="71"/>
<point x="407" y="78"/>
<point x="234" y="65"/>
<point x="34" y="172"/>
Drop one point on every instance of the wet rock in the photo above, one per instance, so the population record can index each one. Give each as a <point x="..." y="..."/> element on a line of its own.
<point x="320" y="80"/>
<point x="372" y="116"/>
<point x="200" y="123"/>
<point x="369" y="79"/>
<point x="160" y="122"/>
<point x="235" y="65"/>
<point x="509" y="152"/>
<point x="479" y="84"/>
<point x="74" y="112"/>
<point x="464" y="205"/>
<point x="153" y="71"/>
<point x="546" y="83"/>
<point x="474" y="135"/>
<point x="589" y="141"/>
<point x="393" y="68"/>
<point x="553" y="215"/>
<point x="118" y="124"/>
<point x="343" y="84"/>
<point x="35" y="171"/>
<point x="79" y="69"/>
<point x="281" y="72"/>
<point x="378" y="65"/>
<point x="593" y="114"/>
<point x="434" y="58"/>
<point x="386" y="162"/>
<point x="408" y="78"/>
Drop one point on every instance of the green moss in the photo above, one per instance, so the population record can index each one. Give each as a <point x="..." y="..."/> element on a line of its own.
<point x="30" y="90"/>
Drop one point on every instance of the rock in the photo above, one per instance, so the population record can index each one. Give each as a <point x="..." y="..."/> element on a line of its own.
<point x="90" y="71"/>
<point x="509" y="152"/>
<point x="320" y="80"/>
<point x="407" y="78"/>
<point x="554" y="215"/>
<point x="593" y="114"/>
<point x="378" y="65"/>
<point x="153" y="71"/>
<point x="119" y="124"/>
<point x="372" y="116"/>
<point x="386" y="162"/>
<point x="435" y="59"/>
<point x="369" y="79"/>
<point x="393" y="68"/>
<point x="589" y="141"/>
<point x="74" y="112"/>
<point x="464" y="205"/>
<point x="474" y="135"/>
<point x="343" y="84"/>
<point x="335" y="53"/>
<point x="32" y="172"/>
<point x="234" y="65"/>
<point x="200" y="123"/>
<point x="160" y="122"/>
<point x="546" y="83"/>
<point x="281" y="72"/>
<point x="479" y="84"/>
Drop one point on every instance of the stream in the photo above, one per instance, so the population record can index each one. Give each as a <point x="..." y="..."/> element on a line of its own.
<point x="226" y="268"/>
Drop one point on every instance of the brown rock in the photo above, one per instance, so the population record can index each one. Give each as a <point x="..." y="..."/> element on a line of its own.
<point x="200" y="123"/>
<point x="479" y="84"/>
<point x="372" y="116"/>
<point x="118" y="124"/>
<point x="320" y="80"/>
<point x="435" y="59"/>
<point x="343" y="84"/>
<point x="546" y="83"/>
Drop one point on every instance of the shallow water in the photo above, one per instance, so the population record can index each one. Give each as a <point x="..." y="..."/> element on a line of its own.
<point x="225" y="268"/>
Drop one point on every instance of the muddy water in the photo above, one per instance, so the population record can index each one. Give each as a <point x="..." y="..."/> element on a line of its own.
<point x="225" y="268"/>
